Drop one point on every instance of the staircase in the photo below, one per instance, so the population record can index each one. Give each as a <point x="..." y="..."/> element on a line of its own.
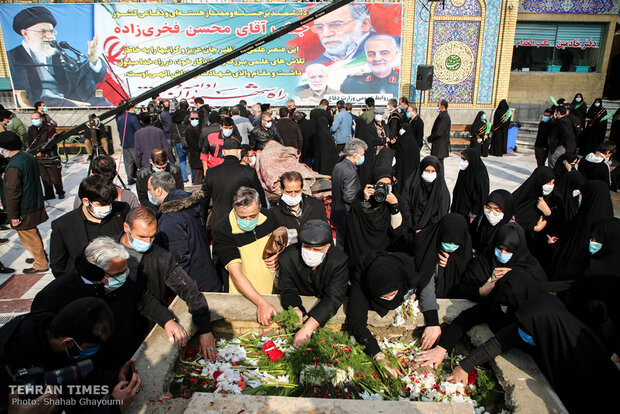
<point x="526" y="137"/>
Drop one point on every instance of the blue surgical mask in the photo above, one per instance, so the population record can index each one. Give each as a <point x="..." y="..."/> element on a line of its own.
<point x="483" y="117"/>
<point x="546" y="118"/>
<point x="157" y="169"/>
<point x="526" y="338"/>
<point x="361" y="161"/>
<point x="84" y="353"/>
<point x="117" y="281"/>
<point x="194" y="122"/>
<point x="408" y="114"/>
<point x="227" y="132"/>
<point x="594" y="247"/>
<point x="247" y="225"/>
<point x="151" y="199"/>
<point x="36" y="122"/>
<point x="502" y="257"/>
<point x="45" y="109"/>
<point x="139" y="245"/>
<point x="449" y="247"/>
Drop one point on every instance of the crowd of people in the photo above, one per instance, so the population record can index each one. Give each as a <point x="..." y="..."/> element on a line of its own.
<point x="540" y="263"/>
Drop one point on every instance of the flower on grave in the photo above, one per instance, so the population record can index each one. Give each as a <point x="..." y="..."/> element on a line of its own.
<point x="232" y="353"/>
<point x="472" y="377"/>
<point x="270" y="349"/>
<point x="365" y="395"/>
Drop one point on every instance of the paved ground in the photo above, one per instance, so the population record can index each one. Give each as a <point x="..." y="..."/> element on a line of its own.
<point x="17" y="291"/>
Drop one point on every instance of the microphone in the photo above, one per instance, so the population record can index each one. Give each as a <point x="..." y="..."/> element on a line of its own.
<point x="66" y="45"/>
<point x="65" y="59"/>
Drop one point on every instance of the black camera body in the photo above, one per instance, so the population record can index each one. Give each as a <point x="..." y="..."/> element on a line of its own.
<point x="381" y="192"/>
<point x="67" y="375"/>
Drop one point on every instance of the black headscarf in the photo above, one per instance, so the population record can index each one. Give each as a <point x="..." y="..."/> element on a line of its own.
<point x="595" y="204"/>
<point x="363" y="132"/>
<point x="482" y="232"/>
<point x="369" y="224"/>
<point x="429" y="202"/>
<point x="407" y="157"/>
<point x="502" y="108"/>
<point x="426" y="247"/>
<point x="579" y="108"/>
<point x="512" y="236"/>
<point x="472" y="186"/>
<point x="607" y="260"/>
<point x="564" y="347"/>
<point x="479" y="127"/>
<point x="325" y="152"/>
<point x="560" y="168"/>
<point x="526" y="196"/>
<point x="596" y="113"/>
<point x="382" y="272"/>
<point x="565" y="188"/>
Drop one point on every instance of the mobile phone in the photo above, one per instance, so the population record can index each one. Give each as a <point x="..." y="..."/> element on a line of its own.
<point x="130" y="371"/>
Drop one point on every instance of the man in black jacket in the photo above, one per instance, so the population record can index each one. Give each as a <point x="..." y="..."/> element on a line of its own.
<point x="158" y="274"/>
<point x="182" y="231"/>
<point x="440" y="134"/>
<point x="55" y="341"/>
<point x="264" y="132"/>
<point x="541" y="145"/>
<point x="101" y="271"/>
<point x="308" y="133"/>
<point x="417" y="125"/>
<point x="99" y="215"/>
<point x="222" y="182"/>
<point x="313" y="268"/>
<point x="289" y="130"/>
<point x="159" y="162"/>
<point x="562" y="138"/>
<point x="322" y="111"/>
<point x="294" y="208"/>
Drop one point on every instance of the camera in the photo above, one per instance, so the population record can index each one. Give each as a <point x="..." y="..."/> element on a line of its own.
<point x="67" y="375"/>
<point x="381" y="192"/>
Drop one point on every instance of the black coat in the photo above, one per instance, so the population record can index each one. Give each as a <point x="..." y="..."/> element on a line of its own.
<point x="543" y="134"/>
<point x="417" y="126"/>
<point x="319" y="112"/>
<point x="325" y="152"/>
<point x="180" y="230"/>
<point x="222" y="182"/>
<point x="159" y="276"/>
<point x="346" y="188"/>
<point x="259" y="137"/>
<point x="312" y="209"/>
<point x="407" y="157"/>
<point x="472" y="186"/>
<point x="142" y="182"/>
<point x="127" y="307"/>
<point x="563" y="134"/>
<point x="440" y="135"/>
<point x="501" y="122"/>
<point x="328" y="282"/>
<point x="308" y="133"/>
<point x="192" y="136"/>
<point x="290" y="133"/>
<point x="72" y="232"/>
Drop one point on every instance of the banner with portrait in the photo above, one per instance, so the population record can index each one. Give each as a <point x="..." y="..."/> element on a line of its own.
<point x="96" y="54"/>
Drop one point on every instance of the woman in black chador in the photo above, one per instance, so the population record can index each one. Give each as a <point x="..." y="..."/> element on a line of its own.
<point x="594" y="129"/>
<point x="499" y="130"/>
<point x="480" y="134"/>
<point x="472" y="185"/>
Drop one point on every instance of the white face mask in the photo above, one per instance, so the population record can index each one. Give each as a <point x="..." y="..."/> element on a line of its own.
<point x="401" y="131"/>
<point x="429" y="177"/>
<point x="100" y="212"/>
<point x="312" y="258"/>
<point x="504" y="308"/>
<point x="393" y="161"/>
<point x="378" y="118"/>
<point x="389" y="298"/>
<point x="252" y="161"/>
<point x="493" y="217"/>
<point x="577" y="99"/>
<point x="547" y="189"/>
<point x="463" y="164"/>
<point x="576" y="193"/>
<point x="291" y="201"/>
<point x="5" y="153"/>
<point x="268" y="125"/>
<point x="597" y="104"/>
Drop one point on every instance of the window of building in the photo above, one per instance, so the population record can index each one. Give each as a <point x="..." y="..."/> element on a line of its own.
<point x="549" y="47"/>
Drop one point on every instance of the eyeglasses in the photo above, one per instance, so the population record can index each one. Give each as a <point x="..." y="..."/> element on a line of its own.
<point x="197" y="119"/>
<point x="43" y="32"/>
<point x="116" y="276"/>
<point x="333" y="26"/>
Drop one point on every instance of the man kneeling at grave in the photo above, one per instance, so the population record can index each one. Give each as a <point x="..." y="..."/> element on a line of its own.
<point x="239" y="241"/>
<point x="312" y="267"/>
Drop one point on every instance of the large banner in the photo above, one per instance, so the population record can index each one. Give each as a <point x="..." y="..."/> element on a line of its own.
<point x="71" y="55"/>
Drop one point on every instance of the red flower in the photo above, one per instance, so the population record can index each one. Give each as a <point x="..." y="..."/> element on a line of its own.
<point x="216" y="374"/>
<point x="190" y="353"/>
<point x="270" y="349"/>
<point x="472" y="377"/>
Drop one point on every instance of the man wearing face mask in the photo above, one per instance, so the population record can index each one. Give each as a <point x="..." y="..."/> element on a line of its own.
<point x="54" y="341"/>
<point x="264" y="132"/>
<point x="294" y="208"/>
<point x="181" y="230"/>
<point x="22" y="199"/>
<point x="541" y="146"/>
<point x="440" y="134"/>
<point x="222" y="182"/>
<point x="239" y="241"/>
<point x="313" y="267"/>
<point x="159" y="162"/>
<point x="98" y="215"/>
<point x="596" y="165"/>
<point x="49" y="162"/>
<point x="192" y="136"/>
<point x="157" y="272"/>
<point x="562" y="136"/>
<point x="346" y="186"/>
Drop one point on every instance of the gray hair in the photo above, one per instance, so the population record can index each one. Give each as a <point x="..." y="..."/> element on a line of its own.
<point x="354" y="146"/>
<point x="246" y="196"/>
<point x="103" y="249"/>
<point x="382" y="37"/>
<point x="163" y="180"/>
<point x="393" y="102"/>
<point x="359" y="12"/>
<point x="290" y="101"/>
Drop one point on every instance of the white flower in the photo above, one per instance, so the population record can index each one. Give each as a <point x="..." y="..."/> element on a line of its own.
<point x="368" y="396"/>
<point x="232" y="353"/>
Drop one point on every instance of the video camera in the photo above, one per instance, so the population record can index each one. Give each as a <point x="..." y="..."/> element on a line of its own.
<point x="381" y="192"/>
<point x="67" y="375"/>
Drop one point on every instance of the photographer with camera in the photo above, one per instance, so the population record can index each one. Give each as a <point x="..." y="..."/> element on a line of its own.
<point x="49" y="162"/>
<point x="378" y="220"/>
<point x="96" y="135"/>
<point x="47" y="349"/>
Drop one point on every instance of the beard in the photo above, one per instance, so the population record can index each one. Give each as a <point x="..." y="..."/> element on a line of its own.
<point x="382" y="68"/>
<point x="42" y="50"/>
<point x="342" y="42"/>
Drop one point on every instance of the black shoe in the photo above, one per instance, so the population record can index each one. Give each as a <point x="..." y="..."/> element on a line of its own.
<point x="3" y="241"/>
<point x="61" y="196"/>
<point x="6" y="270"/>
<point x="30" y="260"/>
<point x="32" y="270"/>
<point x="49" y="197"/>
<point x="4" y="228"/>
